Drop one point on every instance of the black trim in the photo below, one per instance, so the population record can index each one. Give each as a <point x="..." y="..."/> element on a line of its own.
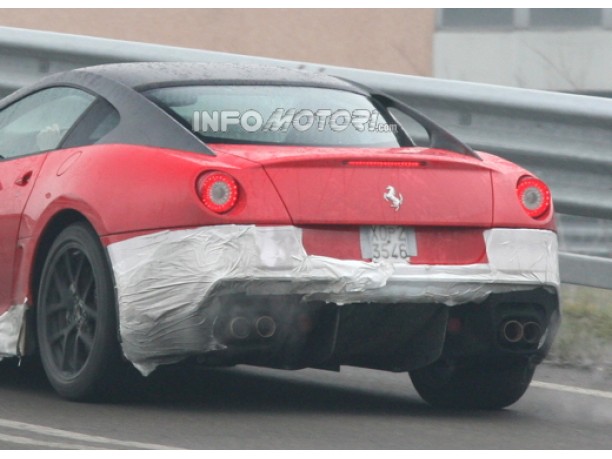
<point x="438" y="136"/>
<point x="79" y="134"/>
<point x="142" y="121"/>
<point x="294" y="84"/>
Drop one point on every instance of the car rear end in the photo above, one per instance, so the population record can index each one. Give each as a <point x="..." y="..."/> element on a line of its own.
<point x="319" y="251"/>
<point x="347" y="275"/>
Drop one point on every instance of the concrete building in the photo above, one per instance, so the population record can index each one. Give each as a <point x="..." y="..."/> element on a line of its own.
<point x="388" y="40"/>
<point x="566" y="49"/>
<point x="545" y="48"/>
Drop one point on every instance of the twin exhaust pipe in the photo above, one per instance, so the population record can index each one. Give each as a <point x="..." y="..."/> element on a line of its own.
<point x="514" y="331"/>
<point x="241" y="327"/>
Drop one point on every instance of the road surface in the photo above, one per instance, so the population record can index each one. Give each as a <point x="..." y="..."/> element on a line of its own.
<point x="252" y="408"/>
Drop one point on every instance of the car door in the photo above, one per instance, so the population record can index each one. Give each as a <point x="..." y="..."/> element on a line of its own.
<point x="29" y="129"/>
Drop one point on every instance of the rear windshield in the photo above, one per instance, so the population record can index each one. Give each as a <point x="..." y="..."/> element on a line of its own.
<point x="277" y="115"/>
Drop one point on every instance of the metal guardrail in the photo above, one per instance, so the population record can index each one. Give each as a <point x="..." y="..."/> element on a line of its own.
<point x="565" y="139"/>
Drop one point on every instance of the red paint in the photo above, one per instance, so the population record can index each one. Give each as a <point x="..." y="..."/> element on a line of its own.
<point x="450" y="246"/>
<point x="127" y="190"/>
<point x="319" y="186"/>
<point x="124" y="189"/>
<point x="435" y="246"/>
<point x="15" y="191"/>
<point x="339" y="242"/>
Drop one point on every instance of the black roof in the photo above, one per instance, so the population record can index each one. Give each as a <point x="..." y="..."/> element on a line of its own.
<point x="120" y="85"/>
<point x="141" y="75"/>
<point x="142" y="122"/>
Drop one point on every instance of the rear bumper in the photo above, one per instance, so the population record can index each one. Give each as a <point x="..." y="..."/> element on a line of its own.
<point x="174" y="288"/>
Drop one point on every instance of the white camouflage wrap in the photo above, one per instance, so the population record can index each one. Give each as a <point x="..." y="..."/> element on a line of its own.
<point x="167" y="282"/>
<point x="11" y="326"/>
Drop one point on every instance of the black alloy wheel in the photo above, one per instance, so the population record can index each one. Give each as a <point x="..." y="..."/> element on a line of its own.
<point x="76" y="317"/>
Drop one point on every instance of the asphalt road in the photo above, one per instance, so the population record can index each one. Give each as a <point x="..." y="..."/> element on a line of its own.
<point x="254" y="408"/>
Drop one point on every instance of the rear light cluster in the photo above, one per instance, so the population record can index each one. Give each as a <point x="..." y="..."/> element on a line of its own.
<point x="218" y="191"/>
<point x="534" y="196"/>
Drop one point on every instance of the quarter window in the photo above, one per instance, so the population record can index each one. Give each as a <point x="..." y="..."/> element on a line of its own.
<point x="40" y="121"/>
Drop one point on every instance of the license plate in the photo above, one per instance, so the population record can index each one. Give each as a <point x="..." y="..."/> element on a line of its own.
<point x="388" y="243"/>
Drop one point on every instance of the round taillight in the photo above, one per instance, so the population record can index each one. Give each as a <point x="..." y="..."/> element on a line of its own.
<point x="218" y="192"/>
<point x="534" y="196"/>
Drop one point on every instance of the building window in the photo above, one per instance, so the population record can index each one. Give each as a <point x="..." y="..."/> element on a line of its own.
<point x="565" y="17"/>
<point x="476" y="18"/>
<point x="523" y="18"/>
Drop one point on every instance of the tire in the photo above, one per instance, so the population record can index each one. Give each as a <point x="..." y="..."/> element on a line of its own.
<point x="487" y="386"/>
<point x="76" y="317"/>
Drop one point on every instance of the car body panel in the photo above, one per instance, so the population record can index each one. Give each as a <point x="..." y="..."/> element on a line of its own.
<point x="111" y="198"/>
<point x="456" y="199"/>
<point x="325" y="185"/>
<point x="17" y="180"/>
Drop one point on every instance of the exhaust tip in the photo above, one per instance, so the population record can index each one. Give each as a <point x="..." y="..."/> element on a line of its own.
<point x="512" y="331"/>
<point x="265" y="326"/>
<point x="532" y="332"/>
<point x="240" y="328"/>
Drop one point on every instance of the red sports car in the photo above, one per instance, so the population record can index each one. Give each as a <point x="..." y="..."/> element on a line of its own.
<point x="223" y="214"/>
